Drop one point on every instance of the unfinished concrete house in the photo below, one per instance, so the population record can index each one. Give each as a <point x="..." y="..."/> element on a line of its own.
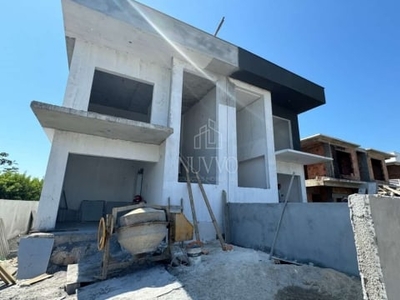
<point x="393" y="168"/>
<point x="349" y="171"/>
<point x="144" y="90"/>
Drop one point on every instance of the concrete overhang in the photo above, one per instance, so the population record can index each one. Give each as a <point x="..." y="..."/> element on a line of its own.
<point x="377" y="153"/>
<point x="334" y="182"/>
<point x="298" y="157"/>
<point x="287" y="89"/>
<point x="321" y="138"/>
<point x="132" y="27"/>
<point x="68" y="119"/>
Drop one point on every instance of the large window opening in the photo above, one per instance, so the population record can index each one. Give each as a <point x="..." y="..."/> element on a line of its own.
<point x="199" y="130"/>
<point x="121" y="97"/>
<point x="344" y="163"/>
<point x="282" y="134"/>
<point x="94" y="185"/>
<point x="377" y="169"/>
<point x="251" y="140"/>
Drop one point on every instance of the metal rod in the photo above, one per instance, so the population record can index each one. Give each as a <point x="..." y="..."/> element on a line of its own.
<point x="280" y="219"/>
<point x="219" y="26"/>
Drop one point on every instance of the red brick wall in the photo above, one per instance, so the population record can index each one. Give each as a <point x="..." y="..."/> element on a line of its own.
<point x="315" y="170"/>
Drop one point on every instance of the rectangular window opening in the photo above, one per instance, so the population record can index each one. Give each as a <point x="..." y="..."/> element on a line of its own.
<point x="121" y="97"/>
<point x="282" y="134"/>
<point x="199" y="130"/>
<point x="251" y="140"/>
<point x="377" y="169"/>
<point x="344" y="163"/>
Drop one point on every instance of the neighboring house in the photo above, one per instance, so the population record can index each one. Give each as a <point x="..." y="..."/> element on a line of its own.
<point x="145" y="88"/>
<point x="393" y="168"/>
<point x="349" y="172"/>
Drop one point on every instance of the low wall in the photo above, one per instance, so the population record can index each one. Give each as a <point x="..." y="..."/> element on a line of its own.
<point x="319" y="233"/>
<point x="376" y="226"/>
<point x="16" y="215"/>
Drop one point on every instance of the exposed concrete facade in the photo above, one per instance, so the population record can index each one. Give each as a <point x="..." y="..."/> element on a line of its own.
<point x="375" y="221"/>
<point x="319" y="233"/>
<point x="183" y="96"/>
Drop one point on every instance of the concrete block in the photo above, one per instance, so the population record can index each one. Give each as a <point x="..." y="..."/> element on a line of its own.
<point x="81" y="274"/>
<point x="92" y="210"/>
<point x="33" y="255"/>
<point x="376" y="226"/>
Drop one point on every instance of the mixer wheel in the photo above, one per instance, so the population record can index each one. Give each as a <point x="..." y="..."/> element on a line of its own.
<point x="101" y="234"/>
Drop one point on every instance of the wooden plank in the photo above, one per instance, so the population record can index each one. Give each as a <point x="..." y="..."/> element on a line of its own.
<point x="396" y="192"/>
<point x="36" y="279"/>
<point x="190" y="192"/>
<point x="6" y="277"/>
<point x="210" y="211"/>
<point x="226" y="217"/>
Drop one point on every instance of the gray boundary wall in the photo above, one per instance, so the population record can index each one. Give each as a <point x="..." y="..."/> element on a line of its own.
<point x="16" y="215"/>
<point x="376" y="225"/>
<point x="319" y="233"/>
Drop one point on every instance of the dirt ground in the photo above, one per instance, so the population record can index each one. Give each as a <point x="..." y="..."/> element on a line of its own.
<point x="237" y="274"/>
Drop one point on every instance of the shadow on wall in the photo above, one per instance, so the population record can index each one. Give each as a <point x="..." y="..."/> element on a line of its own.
<point x="318" y="233"/>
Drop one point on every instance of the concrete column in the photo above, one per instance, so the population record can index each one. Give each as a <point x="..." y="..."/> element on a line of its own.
<point x="227" y="152"/>
<point x="174" y="121"/>
<point x="52" y="187"/>
<point x="270" y="161"/>
<point x="79" y="85"/>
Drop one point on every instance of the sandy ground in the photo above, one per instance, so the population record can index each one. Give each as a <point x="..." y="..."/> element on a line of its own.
<point x="237" y="274"/>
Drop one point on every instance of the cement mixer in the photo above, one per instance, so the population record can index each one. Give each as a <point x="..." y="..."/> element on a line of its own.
<point x="141" y="231"/>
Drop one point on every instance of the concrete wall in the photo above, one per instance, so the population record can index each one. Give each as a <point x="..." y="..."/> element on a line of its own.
<point x="376" y="226"/>
<point x="310" y="232"/>
<point x="16" y="216"/>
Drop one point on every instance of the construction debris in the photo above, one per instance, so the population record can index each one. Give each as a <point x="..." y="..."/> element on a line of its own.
<point x="385" y="190"/>
<point x="6" y="276"/>
<point x="34" y="280"/>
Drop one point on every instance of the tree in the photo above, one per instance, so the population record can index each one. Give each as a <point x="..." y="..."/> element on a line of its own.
<point x="7" y="165"/>
<point x="17" y="186"/>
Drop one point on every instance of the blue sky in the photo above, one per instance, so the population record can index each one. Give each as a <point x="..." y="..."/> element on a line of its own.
<point x="352" y="48"/>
